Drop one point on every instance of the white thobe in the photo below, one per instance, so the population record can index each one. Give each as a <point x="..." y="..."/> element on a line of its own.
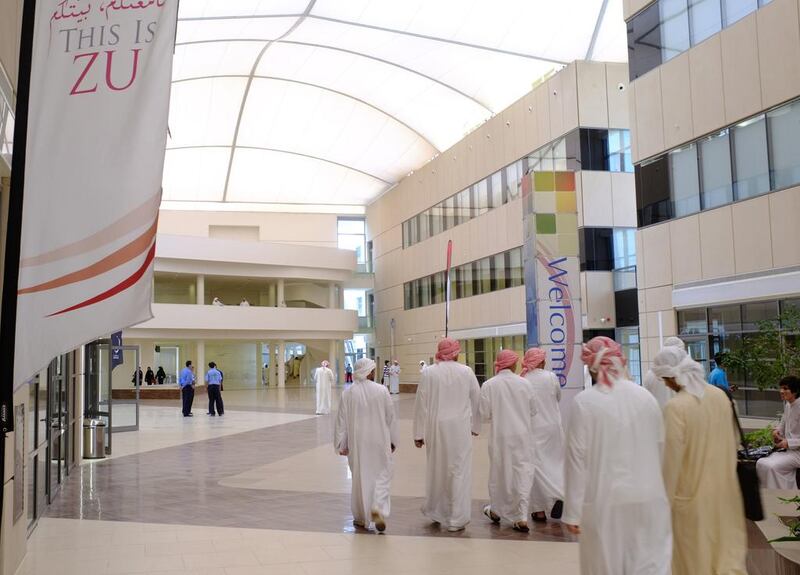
<point x="446" y="412"/>
<point x="778" y="470"/>
<point x="394" y="379"/>
<point x="548" y="442"/>
<point x="614" y="488"/>
<point x="323" y="378"/>
<point x="508" y="403"/>
<point x="658" y="388"/>
<point x="366" y="426"/>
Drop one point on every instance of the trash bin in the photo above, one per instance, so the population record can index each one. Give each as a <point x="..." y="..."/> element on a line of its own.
<point x="94" y="439"/>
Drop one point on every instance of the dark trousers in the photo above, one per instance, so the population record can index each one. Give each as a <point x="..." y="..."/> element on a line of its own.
<point x="215" y="398"/>
<point x="187" y="395"/>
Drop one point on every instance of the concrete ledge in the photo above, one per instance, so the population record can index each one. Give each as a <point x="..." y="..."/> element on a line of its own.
<point x="154" y="392"/>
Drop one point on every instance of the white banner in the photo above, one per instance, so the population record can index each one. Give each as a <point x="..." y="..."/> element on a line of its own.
<point x="97" y="131"/>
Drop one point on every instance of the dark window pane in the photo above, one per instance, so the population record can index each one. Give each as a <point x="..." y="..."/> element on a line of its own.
<point x="674" y="28"/>
<point x="485" y="268"/>
<point x="715" y="170"/>
<point x="407" y="296"/>
<point x="499" y="272"/>
<point x="594" y="150"/>
<point x="725" y="319"/>
<point x="784" y="145"/>
<point x="596" y="249"/>
<point x="750" y="159"/>
<point x="653" y="192"/>
<point x="692" y="321"/>
<point x="517" y="272"/>
<point x="644" y="42"/>
<point x="754" y="313"/>
<point x="684" y="181"/>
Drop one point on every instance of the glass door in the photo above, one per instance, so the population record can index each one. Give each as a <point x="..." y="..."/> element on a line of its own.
<point x="58" y="417"/>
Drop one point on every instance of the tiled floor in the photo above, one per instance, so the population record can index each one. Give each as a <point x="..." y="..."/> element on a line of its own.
<point x="261" y="491"/>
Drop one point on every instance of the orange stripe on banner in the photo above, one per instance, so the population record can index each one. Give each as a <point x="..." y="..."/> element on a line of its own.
<point x="114" y="260"/>
<point x="122" y="226"/>
<point x="117" y="289"/>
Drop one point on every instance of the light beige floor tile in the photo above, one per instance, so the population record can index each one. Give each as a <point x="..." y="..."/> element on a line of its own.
<point x="239" y="558"/>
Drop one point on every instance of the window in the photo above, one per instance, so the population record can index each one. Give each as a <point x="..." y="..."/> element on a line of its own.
<point x="424" y="225"/>
<point x="464" y="275"/>
<point x="596" y="249"/>
<point x="653" y="192"/>
<point x="356" y="299"/>
<point x="706" y="19"/>
<point x="407" y="295"/>
<point x="436" y="224"/>
<point x="619" y="151"/>
<point x="624" y="248"/>
<point x="644" y="42"/>
<point x="724" y="319"/>
<point x="481" y="197"/>
<point x="594" y="146"/>
<point x="425" y="291"/>
<point x="784" y="145"/>
<point x="735" y="10"/>
<point x="512" y="181"/>
<point x="352" y="236"/>
<point x="516" y="268"/>
<point x="438" y="280"/>
<point x="692" y="321"/>
<point x="750" y="160"/>
<point x="465" y="205"/>
<point x="496" y="190"/>
<point x="683" y="180"/>
<point x="485" y="275"/>
<point x="499" y="271"/>
<point x="674" y="19"/>
<point x="560" y="155"/>
<point x="715" y="170"/>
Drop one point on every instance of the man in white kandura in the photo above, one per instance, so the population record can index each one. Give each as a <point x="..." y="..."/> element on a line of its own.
<point x="508" y="404"/>
<point x="652" y="383"/>
<point x="323" y="378"/>
<point x="778" y="470"/>
<point x="700" y="470"/>
<point x="445" y="413"/>
<point x="547" y="491"/>
<point x="366" y="432"/>
<point x="394" y="378"/>
<point x="614" y="491"/>
<point x="422" y="366"/>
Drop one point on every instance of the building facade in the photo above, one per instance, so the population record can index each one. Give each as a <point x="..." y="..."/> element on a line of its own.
<point x="715" y="126"/>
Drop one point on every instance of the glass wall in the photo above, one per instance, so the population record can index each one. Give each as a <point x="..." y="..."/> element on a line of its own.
<point x="582" y="149"/>
<point x="708" y="331"/>
<point x="480" y="354"/>
<point x="742" y="161"/>
<point x="493" y="273"/>
<point x="670" y="27"/>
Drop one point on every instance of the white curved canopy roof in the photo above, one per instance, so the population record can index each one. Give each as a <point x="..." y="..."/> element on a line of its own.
<point x="334" y="101"/>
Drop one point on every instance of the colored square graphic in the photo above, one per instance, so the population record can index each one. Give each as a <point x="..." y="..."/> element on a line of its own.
<point x="544" y="181"/>
<point x="566" y="202"/>
<point x="545" y="223"/>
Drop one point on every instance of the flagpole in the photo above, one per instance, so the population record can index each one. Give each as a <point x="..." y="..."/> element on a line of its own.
<point x="8" y="320"/>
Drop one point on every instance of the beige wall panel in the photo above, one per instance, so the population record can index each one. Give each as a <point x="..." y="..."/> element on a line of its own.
<point x="556" y="98"/>
<point x="641" y="262"/>
<point x="569" y="100"/>
<point x="740" y="74"/>
<point x="656" y="251"/>
<point x="598" y="207"/>
<point x="529" y="111"/>
<point x="10" y="25"/>
<point x="634" y="125"/>
<point x="779" y="51"/>
<point x="677" y="98"/>
<point x="618" y="106"/>
<point x="584" y="300"/>
<point x="542" y="110"/>
<point x="623" y="191"/>
<point x="716" y="243"/>
<point x="649" y="117"/>
<point x="593" y="106"/>
<point x="659" y="298"/>
<point x="708" y="105"/>
<point x="579" y="200"/>
<point x="752" y="240"/>
<point x="631" y="7"/>
<point x="599" y="297"/>
<point x="784" y="208"/>
<point x="685" y="248"/>
<point x="643" y="325"/>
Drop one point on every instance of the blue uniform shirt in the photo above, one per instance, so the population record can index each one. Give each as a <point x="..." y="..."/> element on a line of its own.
<point x="186" y="377"/>
<point x="718" y="378"/>
<point x="213" y="377"/>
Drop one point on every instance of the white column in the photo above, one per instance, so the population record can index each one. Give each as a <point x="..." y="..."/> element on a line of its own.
<point x="272" y="295"/>
<point x="201" y="290"/>
<point x="280" y="360"/>
<point x="200" y="364"/>
<point x="281" y="294"/>
<point x="332" y="299"/>
<point x="259" y="366"/>
<point x="333" y="356"/>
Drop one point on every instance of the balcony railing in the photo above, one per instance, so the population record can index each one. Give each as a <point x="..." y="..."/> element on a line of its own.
<point x="625" y="278"/>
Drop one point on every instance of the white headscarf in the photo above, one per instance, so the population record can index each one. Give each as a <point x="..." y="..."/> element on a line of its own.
<point x="675" y="363"/>
<point x="673" y="341"/>
<point x="364" y="366"/>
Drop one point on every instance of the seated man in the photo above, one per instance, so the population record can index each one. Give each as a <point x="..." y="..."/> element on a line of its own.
<point x="778" y="470"/>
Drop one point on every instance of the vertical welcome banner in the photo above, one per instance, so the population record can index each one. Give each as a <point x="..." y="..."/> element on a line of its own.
<point x="552" y="273"/>
<point x="97" y="129"/>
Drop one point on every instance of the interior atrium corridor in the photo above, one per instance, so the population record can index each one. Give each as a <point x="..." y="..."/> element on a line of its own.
<point x="260" y="490"/>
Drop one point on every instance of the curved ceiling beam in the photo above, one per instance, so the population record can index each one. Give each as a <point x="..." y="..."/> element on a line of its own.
<point x="354" y="53"/>
<point x="438" y="39"/>
<point x="239" y="17"/>
<point x="280" y="151"/>
<point x="266" y="47"/>
<point x="321" y="87"/>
